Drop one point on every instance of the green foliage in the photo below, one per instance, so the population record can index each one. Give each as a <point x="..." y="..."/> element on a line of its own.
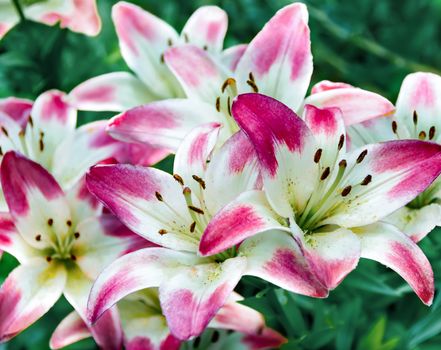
<point x="371" y="44"/>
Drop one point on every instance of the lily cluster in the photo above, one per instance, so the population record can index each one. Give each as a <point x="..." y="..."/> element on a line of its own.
<point x="266" y="182"/>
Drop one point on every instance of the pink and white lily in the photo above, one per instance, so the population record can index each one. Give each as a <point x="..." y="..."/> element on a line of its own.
<point x="173" y="212"/>
<point x="77" y="15"/>
<point x="145" y="327"/>
<point x="50" y="138"/>
<point x="62" y="241"/>
<point x="277" y="63"/>
<point x="143" y="40"/>
<point x="417" y="117"/>
<point x="329" y="200"/>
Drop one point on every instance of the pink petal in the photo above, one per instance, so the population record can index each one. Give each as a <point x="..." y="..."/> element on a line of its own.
<point x="27" y="294"/>
<point x="267" y="339"/>
<point x="231" y="56"/>
<point x="206" y="28"/>
<point x="17" y="108"/>
<point x="280" y="58"/>
<point x="326" y="85"/>
<point x="387" y="245"/>
<point x="357" y="105"/>
<point x="142" y="269"/>
<point x="70" y="330"/>
<point x="162" y="123"/>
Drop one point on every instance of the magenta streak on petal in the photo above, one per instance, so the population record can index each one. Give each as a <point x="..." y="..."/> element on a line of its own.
<point x="331" y="273"/>
<point x="396" y="155"/>
<point x="96" y="94"/>
<point x="322" y="120"/>
<point x="327" y="85"/>
<point x="229" y="228"/>
<point x="286" y="266"/>
<point x="214" y="31"/>
<point x="83" y="194"/>
<point x="7" y="228"/>
<point x="107" y="331"/>
<point x="406" y="261"/>
<point x="130" y="22"/>
<point x="267" y="339"/>
<point x="268" y="122"/>
<point x="170" y="343"/>
<point x="187" y="316"/>
<point x="17" y="109"/>
<point x="423" y="94"/>
<point x="197" y="148"/>
<point x="54" y="107"/>
<point x="10" y="298"/>
<point x="140" y="343"/>
<point x="242" y="152"/>
<point x="19" y="175"/>
<point x="191" y="63"/>
<point x="101" y="139"/>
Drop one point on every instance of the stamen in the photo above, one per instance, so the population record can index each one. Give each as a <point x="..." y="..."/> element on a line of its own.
<point x="205" y="47"/>
<point x="415" y="117"/>
<point x="1" y="151"/>
<point x="346" y="191"/>
<point x="192" y="226"/>
<point x="77" y="235"/>
<point x="50" y="222"/>
<point x="361" y="156"/>
<point x="422" y="135"/>
<point x="230" y="82"/>
<point x="186" y="38"/>
<point x="73" y="257"/>
<point x="158" y="196"/>
<point x="218" y="104"/>
<point x="196" y="209"/>
<point x="178" y="179"/>
<point x="229" y="105"/>
<point x="5" y="131"/>
<point x="161" y="58"/>
<point x="325" y="173"/>
<point x="251" y="76"/>
<point x="432" y="132"/>
<point x="343" y="163"/>
<point x="41" y="141"/>
<point x="169" y="42"/>
<point x="48" y="259"/>
<point x="162" y="232"/>
<point x="394" y="127"/>
<point x="38" y="238"/>
<point x="21" y="133"/>
<point x="69" y="223"/>
<point x="31" y="121"/>
<point x="317" y="155"/>
<point x="199" y="180"/>
<point x="253" y="85"/>
<point x="367" y="180"/>
<point x="341" y="142"/>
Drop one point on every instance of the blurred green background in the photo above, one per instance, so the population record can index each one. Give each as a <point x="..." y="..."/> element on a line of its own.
<point x="371" y="44"/>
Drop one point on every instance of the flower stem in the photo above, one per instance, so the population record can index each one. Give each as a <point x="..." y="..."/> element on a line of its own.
<point x="19" y="10"/>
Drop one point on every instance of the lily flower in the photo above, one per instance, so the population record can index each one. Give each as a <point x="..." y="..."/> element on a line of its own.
<point x="145" y="327"/>
<point x="61" y="241"/>
<point x="277" y="63"/>
<point x="79" y="16"/>
<point x="49" y="137"/>
<point x="416" y="117"/>
<point x="329" y="199"/>
<point x="173" y="211"/>
<point x="143" y="40"/>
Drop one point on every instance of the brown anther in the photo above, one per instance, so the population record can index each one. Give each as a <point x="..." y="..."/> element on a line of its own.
<point x="199" y="181"/>
<point x="318" y="155"/>
<point x="69" y="223"/>
<point x="169" y="42"/>
<point x="50" y="222"/>
<point x="1" y="151"/>
<point x="394" y="127"/>
<point x="158" y="196"/>
<point x="422" y="135"/>
<point x="205" y="47"/>
<point x="162" y="232"/>
<point x="186" y="38"/>
<point x="325" y="173"/>
<point x="31" y="121"/>
<point x="41" y="145"/>
<point x="161" y="58"/>
<point x="228" y="82"/>
<point x="192" y="227"/>
<point x="367" y="180"/>
<point x="5" y="131"/>
<point x="431" y="132"/>
<point x="178" y="179"/>
<point x="346" y="191"/>
<point x="48" y="258"/>
<point x="38" y="238"/>
<point x="186" y="191"/>
<point x="218" y="104"/>
<point x="229" y="105"/>
<point x="361" y="156"/>
<point x="341" y="142"/>
<point x="21" y="133"/>
<point x="415" y="117"/>
<point x="77" y="235"/>
<point x="343" y="163"/>
<point x="253" y="85"/>
<point x="73" y="257"/>
<point x="196" y="209"/>
<point x="251" y="76"/>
